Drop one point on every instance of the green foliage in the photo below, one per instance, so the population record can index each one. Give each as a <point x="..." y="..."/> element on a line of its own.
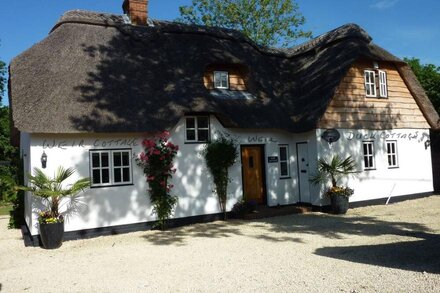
<point x="2" y="80"/>
<point x="8" y="160"/>
<point x="334" y="170"/>
<point x="221" y="154"/>
<point x="157" y="163"/>
<point x="53" y="190"/>
<point x="429" y="77"/>
<point x="267" y="22"/>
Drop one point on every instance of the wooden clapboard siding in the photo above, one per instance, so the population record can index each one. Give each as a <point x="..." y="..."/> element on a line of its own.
<point x="237" y="76"/>
<point x="350" y="108"/>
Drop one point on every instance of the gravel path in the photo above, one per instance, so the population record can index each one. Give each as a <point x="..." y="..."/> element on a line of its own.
<point x="392" y="248"/>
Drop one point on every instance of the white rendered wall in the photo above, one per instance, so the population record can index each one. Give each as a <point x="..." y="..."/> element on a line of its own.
<point x="110" y="206"/>
<point x="25" y="155"/>
<point x="414" y="172"/>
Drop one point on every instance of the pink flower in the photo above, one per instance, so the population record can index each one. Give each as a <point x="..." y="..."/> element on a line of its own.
<point x="150" y="178"/>
<point x="162" y="183"/>
<point x="164" y="135"/>
<point x="148" y="143"/>
<point x="156" y="152"/>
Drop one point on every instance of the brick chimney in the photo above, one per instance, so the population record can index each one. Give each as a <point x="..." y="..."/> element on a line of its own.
<point x="137" y="11"/>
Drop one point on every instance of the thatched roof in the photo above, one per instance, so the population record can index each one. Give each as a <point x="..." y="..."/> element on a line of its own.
<point x="96" y="73"/>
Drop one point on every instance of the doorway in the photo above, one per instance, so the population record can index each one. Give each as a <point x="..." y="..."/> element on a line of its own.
<point x="252" y="162"/>
<point x="303" y="172"/>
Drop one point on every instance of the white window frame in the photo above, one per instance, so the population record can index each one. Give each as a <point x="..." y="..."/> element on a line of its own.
<point x="220" y="74"/>
<point x="196" y="129"/>
<point x="370" y="84"/>
<point x="391" y="154"/>
<point x="383" y="89"/>
<point x="111" y="167"/>
<point x="367" y="155"/>
<point x="286" y="161"/>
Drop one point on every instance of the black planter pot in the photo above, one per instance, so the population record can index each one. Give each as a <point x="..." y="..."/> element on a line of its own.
<point x="339" y="204"/>
<point x="51" y="235"/>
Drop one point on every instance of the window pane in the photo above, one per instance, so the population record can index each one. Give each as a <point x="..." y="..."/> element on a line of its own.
<point x="190" y="135"/>
<point x="370" y="161"/>
<point x="117" y="159"/>
<point x="95" y="160"/>
<point x="284" y="171"/>
<point x="125" y="159"/>
<point x="366" y="162"/>
<point x="224" y="80"/>
<point x="365" y="149"/>
<point x="117" y="175"/>
<point x="105" y="176"/>
<point x="104" y="160"/>
<point x="202" y="122"/>
<point x="283" y="153"/>
<point x="203" y="135"/>
<point x="126" y="174"/>
<point x="190" y="123"/>
<point x="96" y="176"/>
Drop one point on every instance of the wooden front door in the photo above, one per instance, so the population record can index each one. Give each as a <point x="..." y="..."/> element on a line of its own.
<point x="252" y="170"/>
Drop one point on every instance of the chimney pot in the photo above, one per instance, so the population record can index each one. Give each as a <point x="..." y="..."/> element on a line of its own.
<point x="137" y="11"/>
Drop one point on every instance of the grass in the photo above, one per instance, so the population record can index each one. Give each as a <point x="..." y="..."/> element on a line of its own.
<point x="4" y="209"/>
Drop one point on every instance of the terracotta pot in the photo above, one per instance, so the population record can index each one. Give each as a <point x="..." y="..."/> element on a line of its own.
<point x="52" y="235"/>
<point x="339" y="204"/>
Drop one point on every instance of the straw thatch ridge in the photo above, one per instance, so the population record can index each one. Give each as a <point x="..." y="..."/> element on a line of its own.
<point x="97" y="73"/>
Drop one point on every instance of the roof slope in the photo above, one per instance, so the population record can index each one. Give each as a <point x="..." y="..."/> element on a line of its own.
<point x="95" y="73"/>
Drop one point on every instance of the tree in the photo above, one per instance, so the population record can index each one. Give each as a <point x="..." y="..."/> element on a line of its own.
<point x="267" y="22"/>
<point x="2" y="80"/>
<point x="52" y="190"/>
<point x="429" y="77"/>
<point x="334" y="170"/>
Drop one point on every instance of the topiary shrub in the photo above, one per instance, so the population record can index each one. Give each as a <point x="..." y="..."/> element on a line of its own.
<point x="221" y="154"/>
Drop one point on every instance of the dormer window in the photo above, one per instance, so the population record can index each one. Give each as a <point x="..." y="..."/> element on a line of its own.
<point x="197" y="129"/>
<point x="376" y="83"/>
<point x="221" y="79"/>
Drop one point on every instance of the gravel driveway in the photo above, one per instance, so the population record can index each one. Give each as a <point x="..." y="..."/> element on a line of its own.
<point x="394" y="248"/>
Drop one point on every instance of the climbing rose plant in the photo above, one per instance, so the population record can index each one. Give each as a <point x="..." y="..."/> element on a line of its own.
<point x="157" y="163"/>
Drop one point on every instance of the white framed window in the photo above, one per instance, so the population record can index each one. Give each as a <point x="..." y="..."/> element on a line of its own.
<point x="221" y="80"/>
<point x="370" y="83"/>
<point x="392" y="154"/>
<point x="197" y="129"/>
<point x="383" y="90"/>
<point x="110" y="167"/>
<point x="376" y="83"/>
<point x="284" y="161"/>
<point x="368" y="153"/>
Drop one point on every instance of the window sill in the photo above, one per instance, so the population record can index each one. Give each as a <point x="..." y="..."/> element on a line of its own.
<point x="281" y="178"/>
<point x="395" y="167"/>
<point x="113" y="185"/>
<point x="372" y="169"/>
<point x="197" y="142"/>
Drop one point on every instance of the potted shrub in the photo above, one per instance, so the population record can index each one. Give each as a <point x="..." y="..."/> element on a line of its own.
<point x="333" y="171"/>
<point x="52" y="191"/>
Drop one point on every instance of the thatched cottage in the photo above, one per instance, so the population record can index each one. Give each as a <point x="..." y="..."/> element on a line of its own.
<point x="98" y="84"/>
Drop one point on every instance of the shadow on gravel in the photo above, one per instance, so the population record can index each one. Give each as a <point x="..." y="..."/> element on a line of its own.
<point x="419" y="256"/>
<point x="178" y="236"/>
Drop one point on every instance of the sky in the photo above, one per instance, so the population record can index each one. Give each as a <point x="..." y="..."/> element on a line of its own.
<point x="406" y="28"/>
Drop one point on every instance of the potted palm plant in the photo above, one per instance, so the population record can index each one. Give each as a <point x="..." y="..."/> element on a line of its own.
<point x="333" y="171"/>
<point x="52" y="190"/>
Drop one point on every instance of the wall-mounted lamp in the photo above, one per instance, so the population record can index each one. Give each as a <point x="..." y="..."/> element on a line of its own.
<point x="427" y="144"/>
<point x="43" y="160"/>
